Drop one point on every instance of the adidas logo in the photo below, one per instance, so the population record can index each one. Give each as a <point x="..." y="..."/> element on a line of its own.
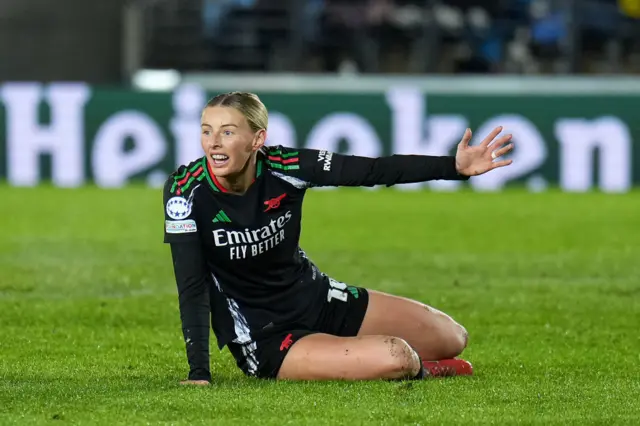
<point x="354" y="292"/>
<point x="221" y="217"/>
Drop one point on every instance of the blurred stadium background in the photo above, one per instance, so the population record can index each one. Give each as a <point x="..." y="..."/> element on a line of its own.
<point x="108" y="94"/>
<point x="369" y="77"/>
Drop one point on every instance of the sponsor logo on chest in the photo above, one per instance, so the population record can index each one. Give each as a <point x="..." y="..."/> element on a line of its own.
<point x="252" y="242"/>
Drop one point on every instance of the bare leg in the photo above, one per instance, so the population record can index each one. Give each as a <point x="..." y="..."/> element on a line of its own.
<point x="327" y="357"/>
<point x="433" y="334"/>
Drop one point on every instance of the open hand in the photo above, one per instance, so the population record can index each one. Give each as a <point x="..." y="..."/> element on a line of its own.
<point x="195" y="382"/>
<point x="476" y="160"/>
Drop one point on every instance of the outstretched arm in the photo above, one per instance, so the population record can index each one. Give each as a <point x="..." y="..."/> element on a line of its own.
<point x="324" y="168"/>
<point x="343" y="170"/>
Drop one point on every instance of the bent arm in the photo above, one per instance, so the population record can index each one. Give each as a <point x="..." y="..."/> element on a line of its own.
<point x="193" y="296"/>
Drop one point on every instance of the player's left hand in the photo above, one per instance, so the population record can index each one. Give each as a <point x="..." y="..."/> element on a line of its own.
<point x="476" y="160"/>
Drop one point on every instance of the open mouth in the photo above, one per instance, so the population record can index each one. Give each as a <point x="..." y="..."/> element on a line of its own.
<point x="219" y="159"/>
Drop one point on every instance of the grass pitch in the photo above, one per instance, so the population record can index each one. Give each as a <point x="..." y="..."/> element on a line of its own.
<point x="548" y="286"/>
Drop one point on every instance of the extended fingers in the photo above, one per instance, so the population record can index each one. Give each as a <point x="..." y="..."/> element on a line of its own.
<point x="495" y="132"/>
<point x="502" y="163"/>
<point x="500" y="141"/>
<point x="498" y="150"/>
<point x="466" y="138"/>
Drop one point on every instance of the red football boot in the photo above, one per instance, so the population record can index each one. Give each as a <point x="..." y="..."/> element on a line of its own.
<point x="448" y="367"/>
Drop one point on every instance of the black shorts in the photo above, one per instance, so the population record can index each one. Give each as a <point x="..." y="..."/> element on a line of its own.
<point x="340" y="316"/>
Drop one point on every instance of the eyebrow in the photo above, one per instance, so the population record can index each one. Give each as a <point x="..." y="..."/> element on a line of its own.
<point x="224" y="125"/>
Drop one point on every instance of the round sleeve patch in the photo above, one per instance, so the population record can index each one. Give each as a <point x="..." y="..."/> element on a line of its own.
<point x="178" y="208"/>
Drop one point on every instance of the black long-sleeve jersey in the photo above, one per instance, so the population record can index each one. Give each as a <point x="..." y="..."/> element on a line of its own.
<point x="237" y="257"/>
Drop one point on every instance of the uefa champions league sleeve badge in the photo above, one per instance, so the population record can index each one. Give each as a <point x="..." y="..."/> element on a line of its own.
<point x="178" y="208"/>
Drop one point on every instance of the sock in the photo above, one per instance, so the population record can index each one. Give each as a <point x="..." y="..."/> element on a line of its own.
<point x="422" y="373"/>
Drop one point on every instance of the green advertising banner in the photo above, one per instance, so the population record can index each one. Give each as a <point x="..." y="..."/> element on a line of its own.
<point x="73" y="134"/>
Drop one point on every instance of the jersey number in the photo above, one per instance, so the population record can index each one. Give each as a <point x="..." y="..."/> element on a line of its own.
<point x="337" y="290"/>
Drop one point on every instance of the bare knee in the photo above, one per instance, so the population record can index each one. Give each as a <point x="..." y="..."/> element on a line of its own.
<point x="403" y="361"/>
<point x="450" y="337"/>
<point x="458" y="339"/>
<point x="464" y="334"/>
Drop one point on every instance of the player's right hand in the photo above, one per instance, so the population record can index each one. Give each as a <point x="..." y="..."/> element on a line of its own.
<point x="195" y="382"/>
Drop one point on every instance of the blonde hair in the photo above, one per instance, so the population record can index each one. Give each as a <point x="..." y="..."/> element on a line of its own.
<point x="249" y="104"/>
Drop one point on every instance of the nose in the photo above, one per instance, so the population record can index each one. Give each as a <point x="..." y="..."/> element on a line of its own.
<point x="213" y="142"/>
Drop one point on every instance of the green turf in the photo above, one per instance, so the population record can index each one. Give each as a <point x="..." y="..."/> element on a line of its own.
<point x="548" y="286"/>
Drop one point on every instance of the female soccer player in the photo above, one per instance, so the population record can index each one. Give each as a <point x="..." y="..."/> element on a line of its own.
<point x="232" y="219"/>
